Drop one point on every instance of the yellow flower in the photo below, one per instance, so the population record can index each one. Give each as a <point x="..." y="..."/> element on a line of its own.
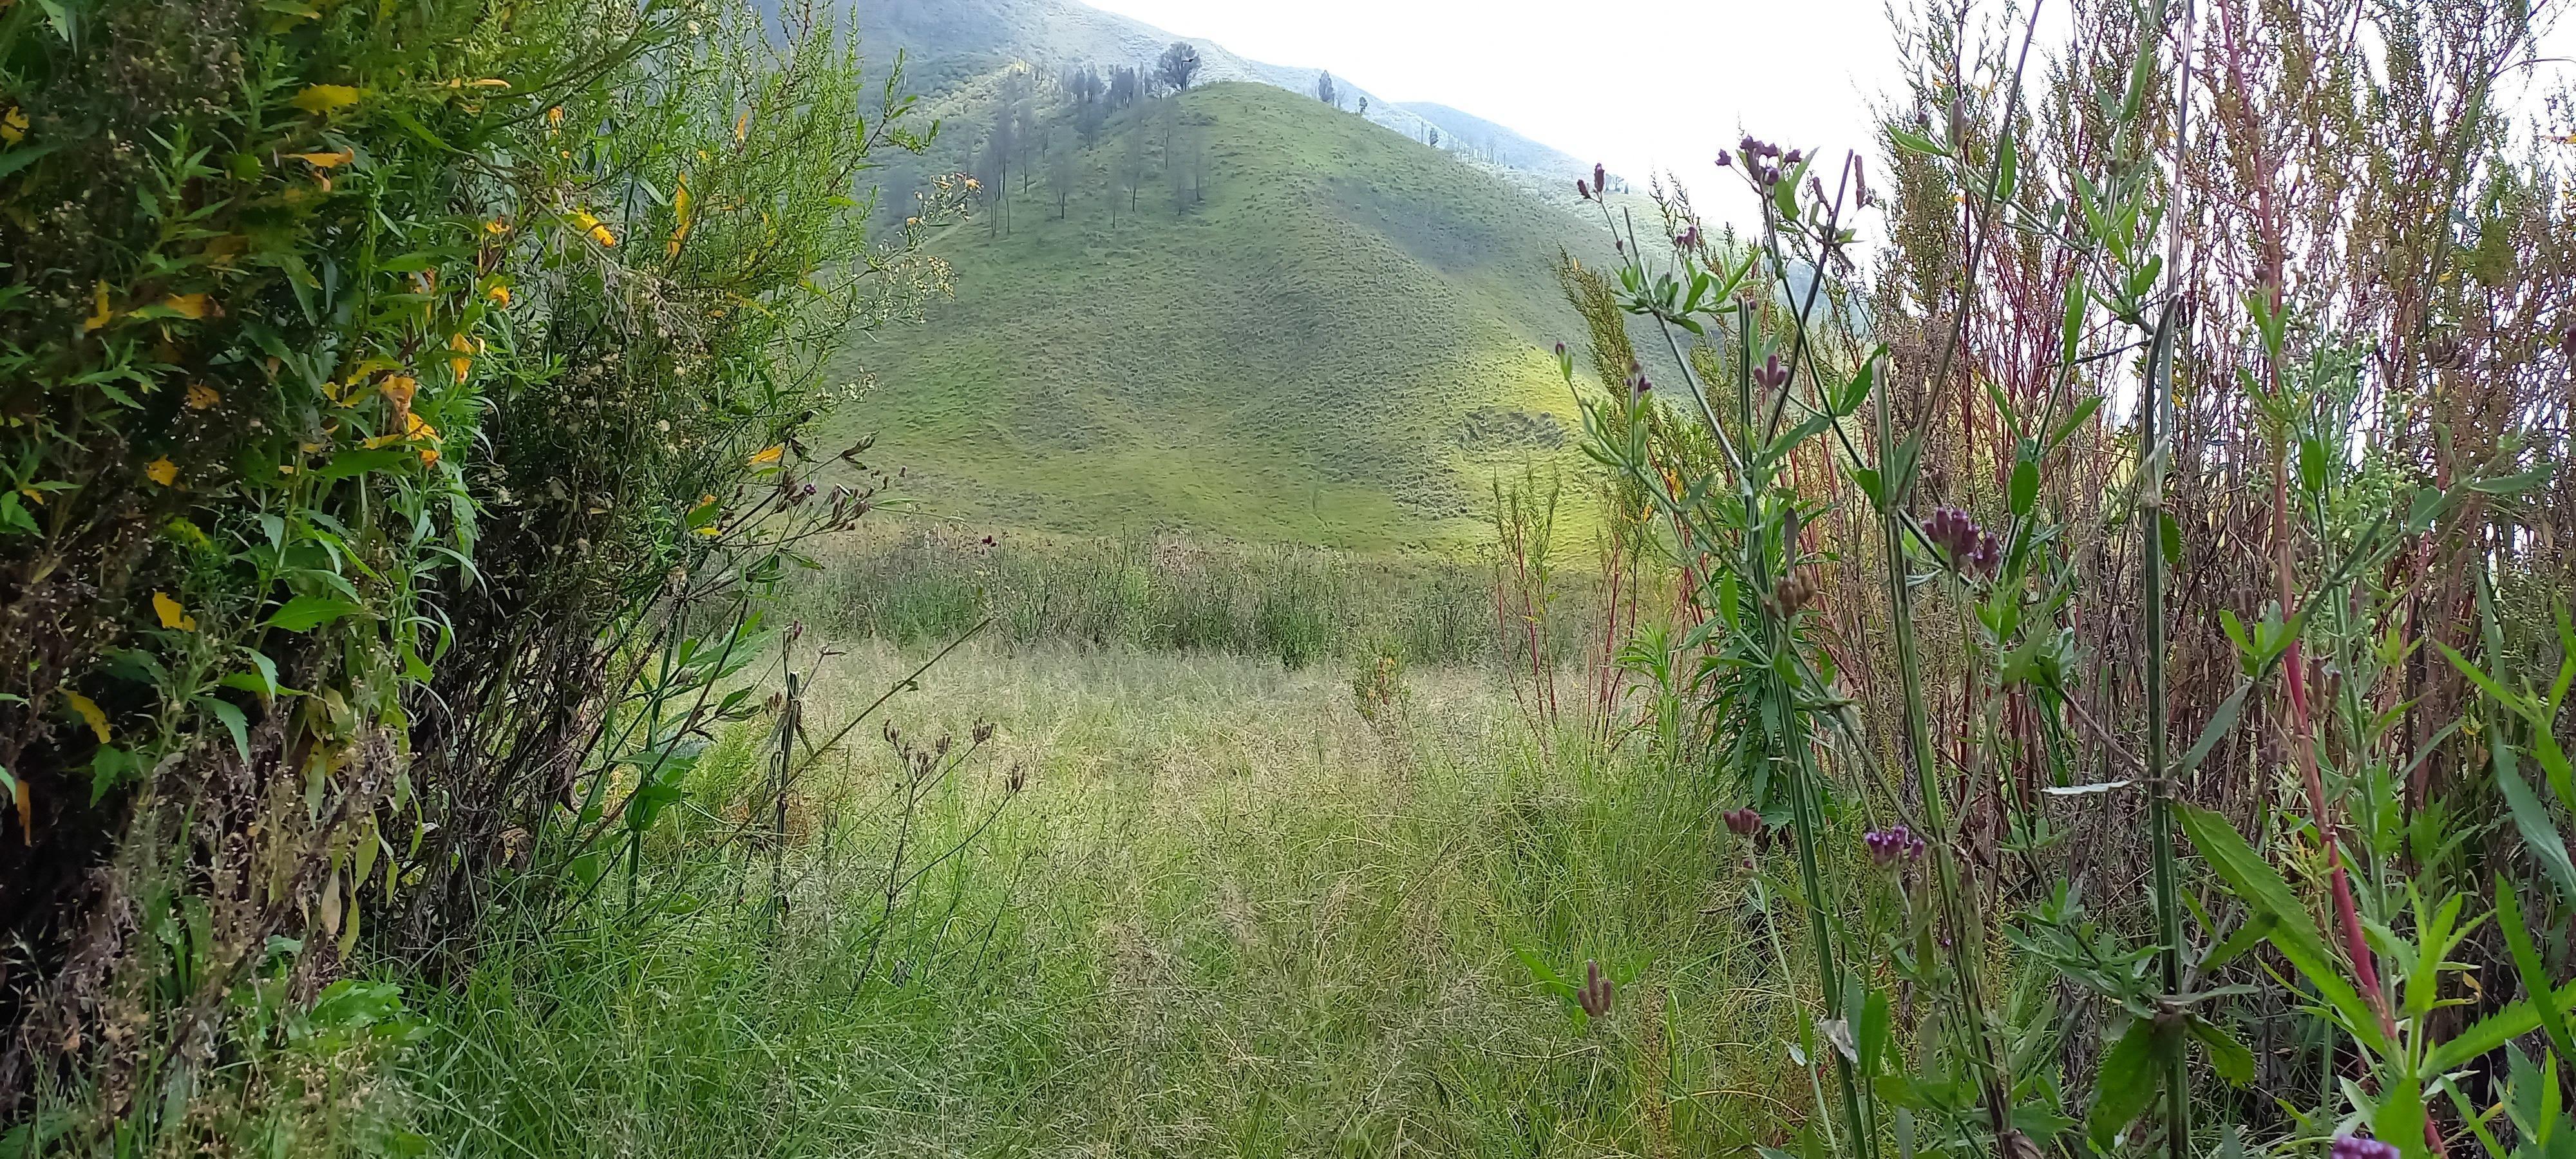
<point x="13" y="125"/>
<point x="767" y="455"/>
<point x="496" y="227"/>
<point x="971" y="183"/>
<point x="326" y="160"/>
<point x="428" y="455"/>
<point x="554" y="116"/>
<point x="600" y="234"/>
<point x="162" y="471"/>
<point x="88" y="710"/>
<point x="103" y="314"/>
<point x="202" y="396"/>
<point x="321" y="99"/>
<point x="500" y="295"/>
<point x="172" y="615"/>
<point x="191" y="306"/>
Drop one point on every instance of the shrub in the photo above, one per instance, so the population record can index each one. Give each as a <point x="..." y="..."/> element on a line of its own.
<point x="366" y="367"/>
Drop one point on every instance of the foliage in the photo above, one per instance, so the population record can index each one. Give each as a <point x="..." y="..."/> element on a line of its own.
<point x="337" y="340"/>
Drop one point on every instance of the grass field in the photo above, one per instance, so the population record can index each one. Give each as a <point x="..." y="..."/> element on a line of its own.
<point x="1226" y="916"/>
<point x="1332" y="335"/>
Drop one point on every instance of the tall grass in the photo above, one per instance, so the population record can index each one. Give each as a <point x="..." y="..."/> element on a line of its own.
<point x="1224" y="915"/>
<point x="920" y="582"/>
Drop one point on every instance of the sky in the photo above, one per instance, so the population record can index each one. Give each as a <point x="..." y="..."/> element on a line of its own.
<point x="1641" y="85"/>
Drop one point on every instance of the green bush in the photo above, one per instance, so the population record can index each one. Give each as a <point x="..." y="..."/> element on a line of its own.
<point x="340" y="346"/>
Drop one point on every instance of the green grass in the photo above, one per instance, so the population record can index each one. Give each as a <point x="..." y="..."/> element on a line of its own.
<point x="1336" y="346"/>
<point x="1226" y="917"/>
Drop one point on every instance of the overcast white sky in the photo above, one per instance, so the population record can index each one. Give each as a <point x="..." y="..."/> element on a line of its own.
<point x="1642" y="85"/>
<point x="1638" y="84"/>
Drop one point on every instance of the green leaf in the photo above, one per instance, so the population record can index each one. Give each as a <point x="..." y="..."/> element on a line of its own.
<point x="2531" y="819"/>
<point x="305" y="613"/>
<point x="2025" y="487"/>
<point x="234" y="723"/>
<point x="1916" y="143"/>
<point x="2227" y="1056"/>
<point x="2514" y="484"/>
<point x="2083" y="410"/>
<point x="1869" y="485"/>
<point x="2526" y="962"/>
<point x="13" y="515"/>
<point x="2071" y="331"/>
<point x="2169" y="533"/>
<point x="2294" y="931"/>
<point x="2127" y="1083"/>
<point x="2007" y="170"/>
<point x="347" y="464"/>
<point x="2312" y="464"/>
<point x="2220" y="723"/>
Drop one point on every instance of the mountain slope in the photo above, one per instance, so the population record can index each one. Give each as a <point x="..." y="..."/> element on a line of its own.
<point x="1322" y="331"/>
<point x="949" y="44"/>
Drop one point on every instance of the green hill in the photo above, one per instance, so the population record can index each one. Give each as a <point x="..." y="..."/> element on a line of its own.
<point x="1297" y="326"/>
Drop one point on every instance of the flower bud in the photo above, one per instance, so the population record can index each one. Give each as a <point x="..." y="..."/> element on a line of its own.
<point x="1724" y="158"/>
<point x="1600" y="177"/>
<point x="1582" y="190"/>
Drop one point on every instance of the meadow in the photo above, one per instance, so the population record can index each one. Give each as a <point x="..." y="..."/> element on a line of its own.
<point x="1221" y="914"/>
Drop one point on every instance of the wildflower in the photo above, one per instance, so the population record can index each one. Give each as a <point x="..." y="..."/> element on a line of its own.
<point x="554" y="117"/>
<point x="171" y="613"/>
<point x="1582" y="190"/>
<point x="1969" y="548"/>
<point x="2356" y="1147"/>
<point x="1792" y="157"/>
<point x="972" y="184"/>
<point x="1771" y="375"/>
<point x="1600" y="177"/>
<point x="89" y="713"/>
<point x="1889" y="846"/>
<point x="1744" y="822"/>
<point x="496" y="227"/>
<point x="321" y="99"/>
<point x="499" y="294"/>
<point x="1687" y="239"/>
<point x="1724" y="158"/>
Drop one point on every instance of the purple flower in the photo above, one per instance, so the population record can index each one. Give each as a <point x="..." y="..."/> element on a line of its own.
<point x="1968" y="547"/>
<point x="1582" y="190"/>
<point x="1687" y="239"/>
<point x="1724" y="158"/>
<point x="1792" y="157"/>
<point x="1771" y="374"/>
<point x="1600" y="176"/>
<point x="1889" y="846"/>
<point x="2356" y="1147"/>
<point x="1560" y="350"/>
<point x="1745" y="822"/>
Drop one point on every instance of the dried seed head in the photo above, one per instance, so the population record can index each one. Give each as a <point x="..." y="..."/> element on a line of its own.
<point x="1595" y="993"/>
<point x="1744" y="822"/>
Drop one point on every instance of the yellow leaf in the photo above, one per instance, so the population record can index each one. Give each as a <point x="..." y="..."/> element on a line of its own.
<point x="172" y="615"/>
<point x="600" y="234"/>
<point x="88" y="710"/>
<point x="103" y="314"/>
<point x="321" y="99"/>
<point x="13" y="124"/>
<point x="766" y="456"/>
<point x="459" y="343"/>
<point x="162" y="471"/>
<point x="459" y="365"/>
<point x="26" y="812"/>
<point x="417" y="428"/>
<point x="326" y="160"/>
<point x="428" y="455"/>
<point x="202" y="396"/>
<point x="500" y="295"/>
<point x="187" y="305"/>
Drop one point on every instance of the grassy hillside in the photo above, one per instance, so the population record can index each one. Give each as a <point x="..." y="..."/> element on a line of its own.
<point x="1321" y="331"/>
